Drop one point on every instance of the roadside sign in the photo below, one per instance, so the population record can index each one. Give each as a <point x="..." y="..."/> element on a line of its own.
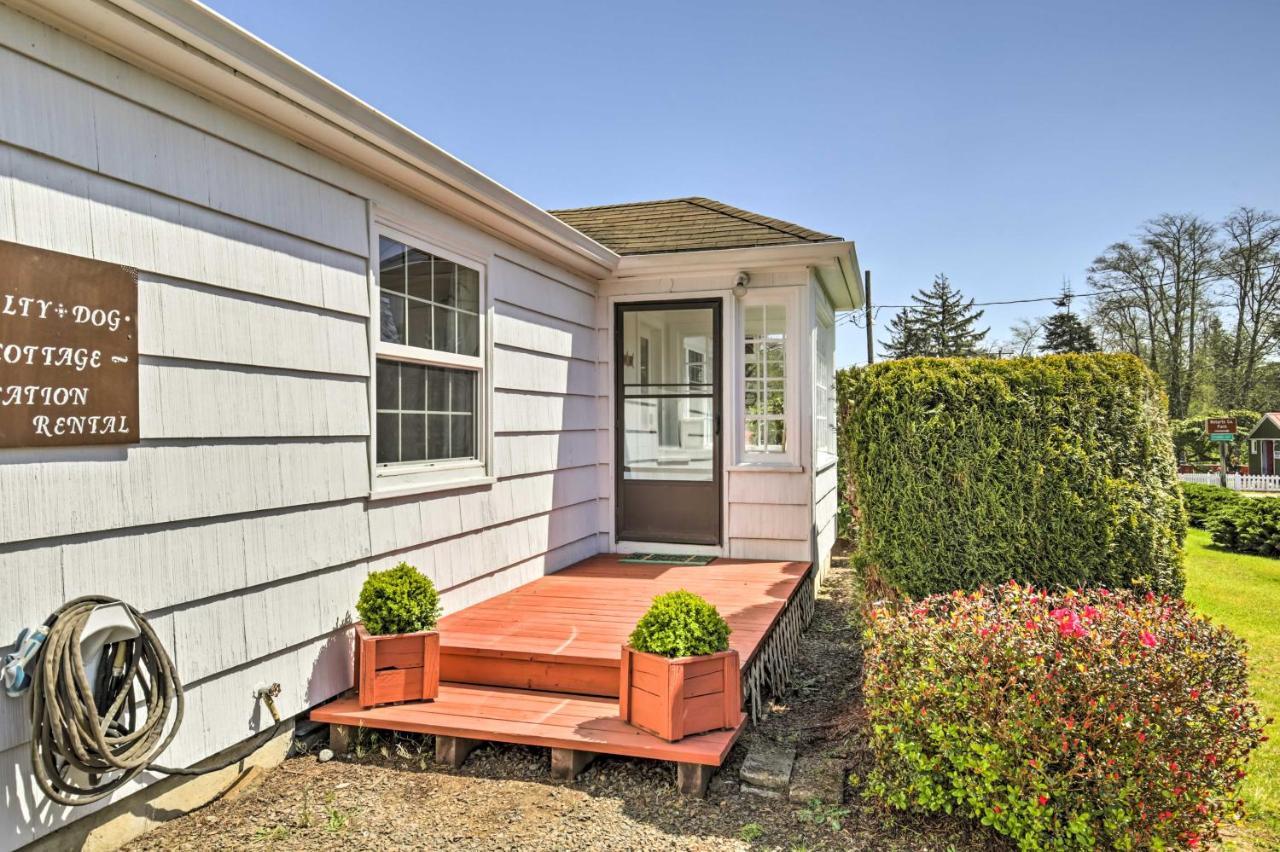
<point x="1220" y="426"/>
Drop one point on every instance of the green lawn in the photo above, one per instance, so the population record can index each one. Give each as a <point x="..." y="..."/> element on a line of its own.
<point x="1243" y="592"/>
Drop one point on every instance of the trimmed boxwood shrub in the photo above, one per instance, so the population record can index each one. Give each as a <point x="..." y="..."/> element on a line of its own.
<point x="1064" y="721"/>
<point x="398" y="600"/>
<point x="1248" y="525"/>
<point x="681" y="624"/>
<point x="1056" y="471"/>
<point x="1205" y="501"/>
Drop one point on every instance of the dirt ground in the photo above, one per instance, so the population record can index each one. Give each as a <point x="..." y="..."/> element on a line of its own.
<point x="389" y="795"/>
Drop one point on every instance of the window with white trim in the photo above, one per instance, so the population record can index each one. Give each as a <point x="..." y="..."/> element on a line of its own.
<point x="429" y="372"/>
<point x="764" y="378"/>
<point x="824" y="396"/>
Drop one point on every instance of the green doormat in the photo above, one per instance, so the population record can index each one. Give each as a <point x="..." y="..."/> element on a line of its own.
<point x="666" y="559"/>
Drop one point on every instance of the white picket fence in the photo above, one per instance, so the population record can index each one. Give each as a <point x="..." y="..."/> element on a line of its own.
<point x="1235" y="481"/>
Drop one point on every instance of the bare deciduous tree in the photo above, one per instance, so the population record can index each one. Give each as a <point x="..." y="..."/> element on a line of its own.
<point x="1249" y="263"/>
<point x="1153" y="291"/>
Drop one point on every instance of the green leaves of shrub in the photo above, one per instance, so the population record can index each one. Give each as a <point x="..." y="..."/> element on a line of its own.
<point x="1203" y="502"/>
<point x="1247" y="525"/>
<point x="398" y="600"/>
<point x="1057" y="471"/>
<point x="680" y="624"/>
<point x="1085" y="720"/>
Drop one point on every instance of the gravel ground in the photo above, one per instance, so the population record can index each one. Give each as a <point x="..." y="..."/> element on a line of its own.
<point x="388" y="795"/>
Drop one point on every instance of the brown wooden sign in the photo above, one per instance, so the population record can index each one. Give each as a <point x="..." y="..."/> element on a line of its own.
<point x="68" y="350"/>
<point x="1220" y="426"/>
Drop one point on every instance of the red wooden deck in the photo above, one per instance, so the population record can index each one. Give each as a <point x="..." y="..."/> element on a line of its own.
<point x="539" y="665"/>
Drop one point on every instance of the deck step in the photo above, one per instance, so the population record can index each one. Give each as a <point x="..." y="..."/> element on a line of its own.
<point x="526" y="670"/>
<point x="527" y="717"/>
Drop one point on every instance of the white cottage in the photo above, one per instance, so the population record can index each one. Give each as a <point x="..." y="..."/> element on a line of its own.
<point x="353" y="350"/>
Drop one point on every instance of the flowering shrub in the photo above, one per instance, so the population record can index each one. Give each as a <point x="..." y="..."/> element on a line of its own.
<point x="1065" y="721"/>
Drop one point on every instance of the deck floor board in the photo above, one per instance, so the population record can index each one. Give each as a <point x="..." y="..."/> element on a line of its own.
<point x="588" y="610"/>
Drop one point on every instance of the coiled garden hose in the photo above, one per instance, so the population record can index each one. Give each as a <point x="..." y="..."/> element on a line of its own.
<point x="88" y="740"/>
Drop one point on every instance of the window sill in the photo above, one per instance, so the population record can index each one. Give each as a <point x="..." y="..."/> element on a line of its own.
<point x="386" y="490"/>
<point x="768" y="467"/>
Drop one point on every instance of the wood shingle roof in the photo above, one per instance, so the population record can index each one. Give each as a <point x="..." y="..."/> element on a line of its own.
<point x="683" y="224"/>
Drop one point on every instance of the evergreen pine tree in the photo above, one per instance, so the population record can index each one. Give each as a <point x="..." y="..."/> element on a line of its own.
<point x="946" y="321"/>
<point x="905" y="338"/>
<point x="1064" y="333"/>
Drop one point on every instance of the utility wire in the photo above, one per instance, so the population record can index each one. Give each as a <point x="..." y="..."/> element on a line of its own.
<point x="855" y="317"/>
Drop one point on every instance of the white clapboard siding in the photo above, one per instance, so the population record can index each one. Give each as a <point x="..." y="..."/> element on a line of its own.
<point x="174" y="565"/>
<point x="180" y="399"/>
<point x="64" y="208"/>
<point x="455" y="561"/>
<point x="191" y="321"/>
<point x="769" y="548"/>
<point x="763" y="520"/>
<point x="130" y="142"/>
<point x="747" y="486"/>
<point x="521" y="328"/>
<point x="825" y="509"/>
<point x="534" y="412"/>
<point x="515" y="369"/>
<point x="486" y="586"/>
<point x="204" y="646"/>
<point x="514" y="455"/>
<point x="217" y="715"/>
<point x="518" y="285"/>
<point x="395" y="524"/>
<point x="73" y="490"/>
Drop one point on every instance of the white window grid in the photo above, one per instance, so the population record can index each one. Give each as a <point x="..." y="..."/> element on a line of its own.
<point x="764" y="379"/>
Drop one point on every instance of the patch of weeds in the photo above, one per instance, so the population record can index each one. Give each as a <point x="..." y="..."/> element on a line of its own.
<point x="336" y="819"/>
<point x="305" y="820"/>
<point x="830" y="816"/>
<point x="271" y="835"/>
<point x="751" y="832"/>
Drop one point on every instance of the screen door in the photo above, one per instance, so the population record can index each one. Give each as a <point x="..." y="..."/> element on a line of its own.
<point x="667" y="393"/>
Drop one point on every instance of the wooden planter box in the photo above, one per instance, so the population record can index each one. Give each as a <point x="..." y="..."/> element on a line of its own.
<point x="400" y="667"/>
<point x="678" y="698"/>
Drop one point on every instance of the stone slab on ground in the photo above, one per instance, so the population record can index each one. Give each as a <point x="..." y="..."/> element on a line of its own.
<point x="761" y="791"/>
<point x="768" y="766"/>
<point x="817" y="777"/>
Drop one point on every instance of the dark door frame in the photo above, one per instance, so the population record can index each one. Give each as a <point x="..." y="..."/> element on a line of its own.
<point x="717" y="404"/>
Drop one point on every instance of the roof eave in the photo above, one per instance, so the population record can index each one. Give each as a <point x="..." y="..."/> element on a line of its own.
<point x="835" y="260"/>
<point x="199" y="50"/>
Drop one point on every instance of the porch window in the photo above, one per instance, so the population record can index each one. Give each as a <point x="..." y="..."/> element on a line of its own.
<point x="764" y="364"/>
<point x="824" y="401"/>
<point x="429" y="372"/>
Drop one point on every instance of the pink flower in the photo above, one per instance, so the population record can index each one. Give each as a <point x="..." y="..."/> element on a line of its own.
<point x="1069" y="623"/>
<point x="1148" y="640"/>
<point x="1092" y="613"/>
<point x="1043" y="800"/>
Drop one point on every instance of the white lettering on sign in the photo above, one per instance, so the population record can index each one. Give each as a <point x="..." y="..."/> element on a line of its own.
<point x="51" y="356"/>
<point x="40" y="395"/>
<point x="68" y="349"/>
<point x="93" y="424"/>
<point x="21" y="306"/>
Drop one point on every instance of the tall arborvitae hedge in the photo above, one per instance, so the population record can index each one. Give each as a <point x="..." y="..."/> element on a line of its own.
<point x="1056" y="471"/>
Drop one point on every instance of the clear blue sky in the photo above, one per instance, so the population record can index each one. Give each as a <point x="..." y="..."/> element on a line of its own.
<point x="1004" y="143"/>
